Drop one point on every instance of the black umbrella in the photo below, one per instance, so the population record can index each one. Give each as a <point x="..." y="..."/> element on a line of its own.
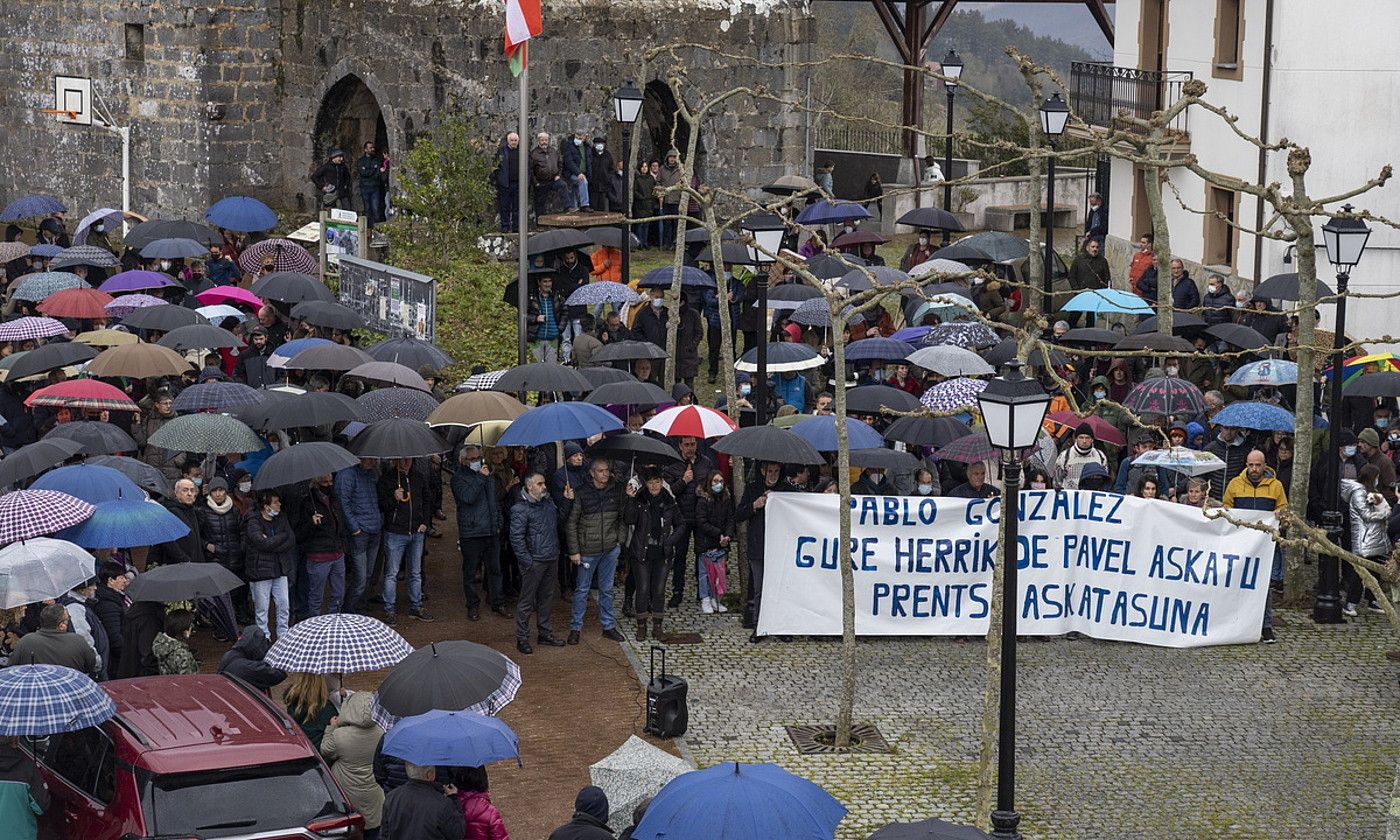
<point x="783" y="356"/>
<point x="1384" y="383"/>
<point x="301" y="463"/>
<point x="1005" y="351"/>
<point x="340" y="357"/>
<point x="49" y="357"/>
<point x="281" y="410"/>
<point x="562" y="239"/>
<point x="383" y="403"/>
<point x="627" y="351"/>
<point x="830" y="267"/>
<point x="629" y="393"/>
<point x="146" y="476"/>
<point x="96" y="437"/>
<point x="884" y="459"/>
<point x="734" y="253"/>
<point x="563" y="285"/>
<point x="291" y="287"/>
<point x="998" y="245"/>
<point x="200" y="337"/>
<point x="1155" y="341"/>
<point x="930" y="829"/>
<point x="1091" y="335"/>
<point x="599" y="376"/>
<point x="397" y="437"/>
<point x="697" y="236"/>
<point x="785" y="296"/>
<point x="322" y="313"/>
<point x="934" y="218"/>
<point x="164" y="318"/>
<point x="768" y="443"/>
<point x="868" y="399"/>
<point x="450" y="676"/>
<point x="610" y="237"/>
<point x="642" y="449"/>
<point x="28" y="461"/>
<point x="1238" y="335"/>
<point x="963" y="253"/>
<point x="542" y="376"/>
<point x="182" y="582"/>
<point x="1182" y="322"/>
<point x="860" y="279"/>
<point x="927" y="431"/>
<point x="410" y="352"/>
<point x="1285" y="287"/>
<point x="145" y="233"/>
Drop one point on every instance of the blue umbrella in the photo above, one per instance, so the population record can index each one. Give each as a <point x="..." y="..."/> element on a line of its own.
<point x="125" y="523"/>
<point x="911" y="334"/>
<point x="31" y="206"/>
<point x="39" y="700"/>
<point x="1262" y="416"/>
<point x="91" y="483"/>
<point x="174" y="249"/>
<point x="877" y="348"/>
<point x="820" y="431"/>
<point x="1266" y="372"/>
<point x="242" y="214"/>
<point x="660" y="278"/>
<point x="45" y="249"/>
<point x="1108" y="300"/>
<point x="829" y="212"/>
<point x="734" y="801"/>
<point x="597" y="294"/>
<point x="558" y="421"/>
<point x="285" y="352"/>
<point x="455" y="739"/>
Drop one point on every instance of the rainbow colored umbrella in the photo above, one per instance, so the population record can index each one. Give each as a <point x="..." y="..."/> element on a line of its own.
<point x="1358" y="365"/>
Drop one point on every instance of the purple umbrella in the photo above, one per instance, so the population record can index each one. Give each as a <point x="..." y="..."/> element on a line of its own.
<point x="25" y="514"/>
<point x="135" y="281"/>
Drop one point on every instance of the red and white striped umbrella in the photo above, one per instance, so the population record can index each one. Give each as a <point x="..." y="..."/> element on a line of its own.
<point x="691" y="421"/>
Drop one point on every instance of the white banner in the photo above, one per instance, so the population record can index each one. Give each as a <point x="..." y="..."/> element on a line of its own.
<point x="1108" y="566"/>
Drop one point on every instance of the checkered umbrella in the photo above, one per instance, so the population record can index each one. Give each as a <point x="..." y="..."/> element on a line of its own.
<point x="85" y="255"/>
<point x="31" y="328"/>
<point x="25" y="514"/>
<point x="41" y="285"/>
<point x="338" y="643"/>
<point x="452" y="676"/>
<point x="120" y="307"/>
<point x="206" y="433"/>
<point x="481" y="381"/>
<point x="39" y="700"/>
<point x="217" y="396"/>
<point x="968" y="450"/>
<point x="383" y="403"/>
<point x="953" y="394"/>
<point x="284" y="254"/>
